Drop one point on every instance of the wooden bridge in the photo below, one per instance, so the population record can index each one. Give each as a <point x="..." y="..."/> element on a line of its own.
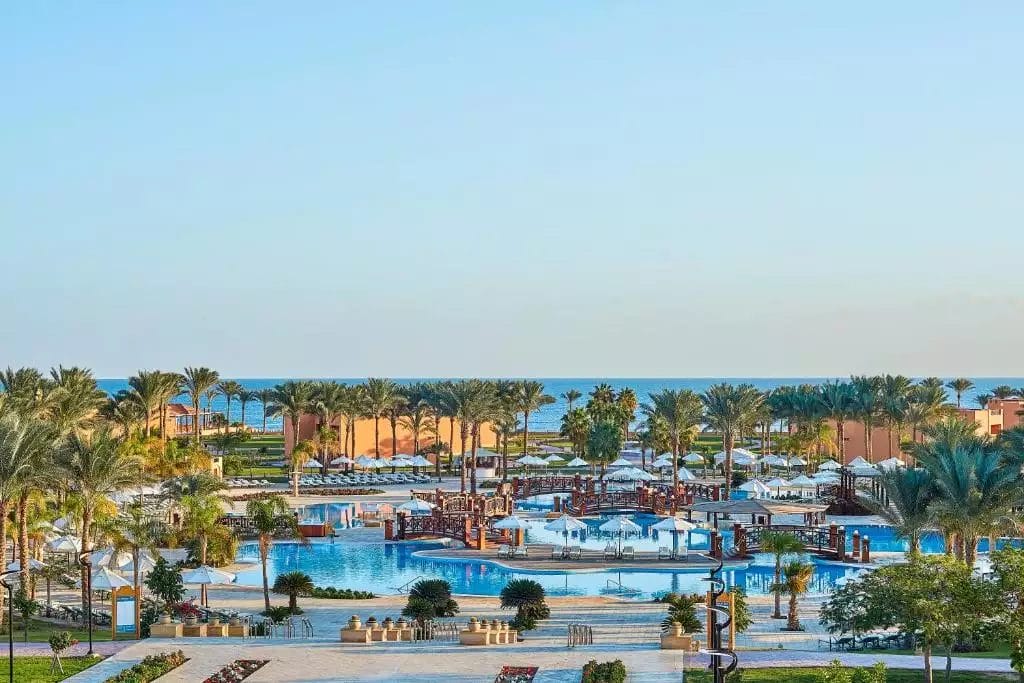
<point x="590" y="496"/>
<point x="472" y="530"/>
<point x="828" y="542"/>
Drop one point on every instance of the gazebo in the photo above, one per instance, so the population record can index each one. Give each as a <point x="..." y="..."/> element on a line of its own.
<point x="764" y="509"/>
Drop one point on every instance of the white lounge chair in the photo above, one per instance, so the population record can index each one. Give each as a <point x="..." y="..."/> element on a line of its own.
<point x="610" y="552"/>
<point x="664" y="553"/>
<point x="628" y="553"/>
<point x="520" y="551"/>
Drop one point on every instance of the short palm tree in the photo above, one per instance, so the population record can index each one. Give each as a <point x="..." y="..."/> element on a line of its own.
<point x="905" y="503"/>
<point x="291" y="400"/>
<point x="198" y="381"/>
<point x="229" y="389"/>
<point x="270" y="515"/>
<point x="202" y="513"/>
<point x="571" y="396"/>
<point x="780" y="544"/>
<point x="245" y="397"/>
<point x="381" y="395"/>
<point x="293" y="584"/>
<point x="135" y="530"/>
<point x="627" y="402"/>
<point x="796" y="578"/>
<point x="146" y="389"/>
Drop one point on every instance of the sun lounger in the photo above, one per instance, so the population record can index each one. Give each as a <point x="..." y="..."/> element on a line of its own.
<point x="504" y="550"/>
<point x="628" y="553"/>
<point x="664" y="553"/>
<point x="575" y="552"/>
<point x="610" y="552"/>
<point x="558" y="552"/>
<point x="520" y="551"/>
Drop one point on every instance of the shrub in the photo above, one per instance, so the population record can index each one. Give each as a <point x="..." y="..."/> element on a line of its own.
<point x="278" y="612"/>
<point x="874" y="674"/>
<point x="164" y="581"/>
<point x="332" y="593"/>
<point x="527" y="598"/>
<point x="438" y="593"/>
<point x="741" y="610"/>
<point x="835" y="673"/>
<point x="150" y="668"/>
<point x="681" y="610"/>
<point x="60" y="641"/>
<point x="605" y="672"/>
<point x="221" y="549"/>
<point x="293" y="584"/>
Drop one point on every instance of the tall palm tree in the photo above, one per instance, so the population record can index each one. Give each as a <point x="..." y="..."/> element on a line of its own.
<point x="483" y="408"/>
<point x="126" y="412"/>
<point x="925" y="404"/>
<point x="531" y="398"/>
<point x="146" y="390"/>
<point x="780" y="544"/>
<point x="291" y="400"/>
<point x="353" y="408"/>
<point x="229" y="389"/>
<point x="866" y="407"/>
<point x="905" y="504"/>
<point x="94" y="467"/>
<point x="74" y="400"/>
<point x="394" y="413"/>
<point x="25" y="391"/>
<point x="270" y="515"/>
<point x="895" y="400"/>
<point x="198" y="381"/>
<point x="680" y="410"/>
<point x="576" y="427"/>
<point x="960" y="386"/>
<point x="471" y="401"/>
<point x="571" y="396"/>
<point x="729" y="409"/>
<point x="245" y="397"/>
<point x="266" y="397"/>
<point x="627" y="402"/>
<point x="1003" y="391"/>
<point x="381" y="395"/>
<point x="837" y="398"/>
<point x="202" y="513"/>
<point x="328" y="401"/>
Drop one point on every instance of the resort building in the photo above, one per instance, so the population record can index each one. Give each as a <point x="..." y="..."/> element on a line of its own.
<point x="309" y="426"/>
<point x="181" y="418"/>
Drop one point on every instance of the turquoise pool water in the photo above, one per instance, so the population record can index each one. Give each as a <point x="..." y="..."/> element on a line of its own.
<point x="384" y="567"/>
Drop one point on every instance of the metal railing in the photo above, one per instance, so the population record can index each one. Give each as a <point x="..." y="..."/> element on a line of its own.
<point x="579" y="634"/>
<point x="404" y="588"/>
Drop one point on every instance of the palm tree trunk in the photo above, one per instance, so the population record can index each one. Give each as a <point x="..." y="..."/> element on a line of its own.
<point x="462" y="460"/>
<point x="793" y="622"/>
<point x="23" y="537"/>
<point x="727" y="442"/>
<point x="264" y="552"/>
<point x="376" y="436"/>
<point x="675" y="465"/>
<point x="841" y="438"/>
<point x="472" y="462"/>
<point x="867" y="440"/>
<point x="195" y="419"/>
<point x="394" y="440"/>
<point x="777" y="614"/>
<point x="202" y="561"/>
<point x="526" y="428"/>
<point x="243" y="416"/>
<point x="264" y="419"/>
<point x="86" y="547"/>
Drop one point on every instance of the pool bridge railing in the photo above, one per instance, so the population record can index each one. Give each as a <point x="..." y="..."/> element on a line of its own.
<point x="824" y="541"/>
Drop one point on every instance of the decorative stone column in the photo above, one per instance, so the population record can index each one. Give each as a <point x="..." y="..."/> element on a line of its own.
<point x="865" y="550"/>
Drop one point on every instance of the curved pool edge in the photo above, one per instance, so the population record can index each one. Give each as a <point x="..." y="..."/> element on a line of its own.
<point x="581" y="570"/>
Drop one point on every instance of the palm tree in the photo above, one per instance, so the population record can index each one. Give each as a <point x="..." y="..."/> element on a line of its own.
<point x="381" y="395"/>
<point x="146" y="390"/>
<point x="202" y="513"/>
<point x="269" y="514"/>
<point x="960" y="386"/>
<point x="301" y="453"/>
<point x="576" y="427"/>
<point x="866" y="405"/>
<point x="729" y="409"/>
<point x="471" y="400"/>
<point x="266" y="397"/>
<point x="905" y="503"/>
<point x="796" y="578"/>
<point x="245" y="397"/>
<point x="602" y="393"/>
<point x="895" y="399"/>
<point x="925" y="404"/>
<point x="837" y="398"/>
<point x="1003" y="391"/>
<point x="353" y="407"/>
<point x="394" y="412"/>
<point x="531" y="397"/>
<point x="198" y="381"/>
<point x="680" y="412"/>
<point x="95" y="467"/>
<point x="126" y="412"/>
<point x="170" y="387"/>
<point x="293" y="584"/>
<point x="73" y="400"/>
<point x="604" y="442"/>
<point x="627" y="402"/>
<point x="483" y="408"/>
<point x="328" y="402"/>
<point x="983" y="400"/>
<point x="571" y="396"/>
<point x="135" y="530"/>
<point x="291" y="400"/>
<point x="228" y="389"/>
<point x="780" y="544"/>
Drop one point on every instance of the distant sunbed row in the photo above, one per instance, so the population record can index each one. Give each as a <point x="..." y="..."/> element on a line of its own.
<point x="246" y="483"/>
<point x="610" y="552"/>
<point x="362" y="479"/>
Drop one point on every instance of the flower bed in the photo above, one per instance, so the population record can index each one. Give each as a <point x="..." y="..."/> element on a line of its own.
<point x="238" y="670"/>
<point x="150" y="668"/>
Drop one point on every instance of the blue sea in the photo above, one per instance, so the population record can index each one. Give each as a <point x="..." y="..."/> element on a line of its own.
<point x="549" y="417"/>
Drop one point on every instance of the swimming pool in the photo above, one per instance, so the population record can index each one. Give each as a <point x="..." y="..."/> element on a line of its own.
<point x="384" y="567"/>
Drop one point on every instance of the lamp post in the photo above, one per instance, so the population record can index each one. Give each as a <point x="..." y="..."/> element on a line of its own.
<point x="10" y="621"/>
<point x="83" y="559"/>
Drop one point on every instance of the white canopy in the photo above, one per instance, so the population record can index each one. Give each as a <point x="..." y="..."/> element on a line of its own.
<point x="775" y="460"/>
<point x="146" y="563"/>
<point x="64" y="544"/>
<point x="829" y="465"/>
<point x="620" y="525"/>
<point x="629" y="474"/>
<point x="686" y="475"/>
<point x="777" y="483"/>
<point x="693" y="458"/>
<point x="891" y="464"/>
<point x="674" y="524"/>
<point x="565" y="524"/>
<point x="859" y="462"/>
<point x="416" y="506"/>
<point x="105" y="580"/>
<point x="531" y="460"/>
<point x="364" y="461"/>
<point x="577" y="462"/>
<point x="205" y="575"/>
<point x="420" y="461"/>
<point x="311" y="463"/>
<point x="865" y="471"/>
<point x="33" y="564"/>
<point x="621" y="462"/>
<point x="802" y="481"/>
<point x="343" y="460"/>
<point x="797" y="461"/>
<point x="755" y="487"/>
<point x="554" y="458"/>
<point x="660" y="464"/>
<point x="665" y="456"/>
<point x="741" y="457"/>
<point x="825" y="477"/>
<point x="512" y="522"/>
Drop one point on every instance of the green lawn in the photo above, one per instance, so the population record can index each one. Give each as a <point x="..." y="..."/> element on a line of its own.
<point x="39" y="632"/>
<point x="809" y="675"/>
<point x="1000" y="651"/>
<point x="37" y="669"/>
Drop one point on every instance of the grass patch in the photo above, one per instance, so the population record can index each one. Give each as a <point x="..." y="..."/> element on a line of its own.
<point x="1000" y="651"/>
<point x="39" y="632"/>
<point x="37" y="669"/>
<point x="813" y="675"/>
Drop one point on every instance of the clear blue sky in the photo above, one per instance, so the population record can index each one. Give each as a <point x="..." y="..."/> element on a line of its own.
<point x="556" y="188"/>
